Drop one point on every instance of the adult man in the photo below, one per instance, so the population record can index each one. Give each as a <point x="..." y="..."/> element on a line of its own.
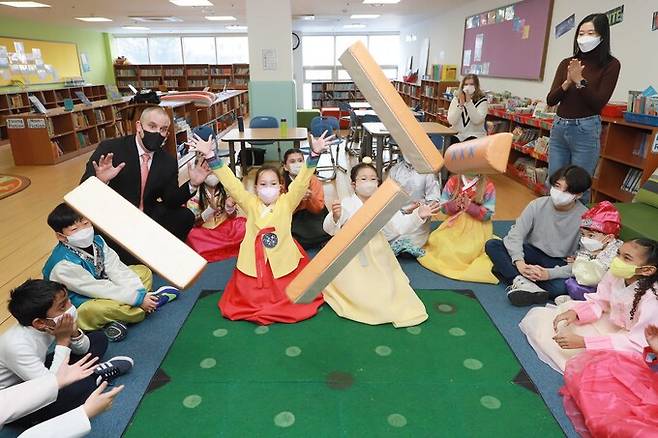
<point x="137" y="168"/>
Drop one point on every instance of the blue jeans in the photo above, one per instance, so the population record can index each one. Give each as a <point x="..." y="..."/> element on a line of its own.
<point x="575" y="141"/>
<point x="506" y="270"/>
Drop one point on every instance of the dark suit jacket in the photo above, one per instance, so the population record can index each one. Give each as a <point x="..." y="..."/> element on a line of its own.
<point x="162" y="181"/>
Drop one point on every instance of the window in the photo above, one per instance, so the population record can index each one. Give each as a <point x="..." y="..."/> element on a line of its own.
<point x="344" y="41"/>
<point x="317" y="75"/>
<point x="385" y="49"/>
<point x="165" y="50"/>
<point x="199" y="50"/>
<point x="134" y="49"/>
<point x="233" y="50"/>
<point x="318" y="50"/>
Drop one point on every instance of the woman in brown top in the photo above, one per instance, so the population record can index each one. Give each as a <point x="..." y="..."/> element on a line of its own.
<point x="582" y="86"/>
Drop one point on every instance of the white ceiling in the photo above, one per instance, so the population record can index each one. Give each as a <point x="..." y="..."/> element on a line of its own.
<point x="331" y="15"/>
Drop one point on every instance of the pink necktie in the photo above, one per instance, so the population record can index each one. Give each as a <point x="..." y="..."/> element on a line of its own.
<point x="145" y="174"/>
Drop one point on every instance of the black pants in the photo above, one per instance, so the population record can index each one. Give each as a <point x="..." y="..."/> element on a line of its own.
<point x="74" y="395"/>
<point x="178" y="221"/>
<point x="454" y="139"/>
<point x="307" y="228"/>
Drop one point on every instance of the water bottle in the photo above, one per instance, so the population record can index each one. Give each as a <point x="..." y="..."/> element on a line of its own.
<point x="283" y="127"/>
<point x="240" y="124"/>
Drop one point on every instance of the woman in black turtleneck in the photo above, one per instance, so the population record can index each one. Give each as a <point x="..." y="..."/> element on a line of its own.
<point x="582" y="86"/>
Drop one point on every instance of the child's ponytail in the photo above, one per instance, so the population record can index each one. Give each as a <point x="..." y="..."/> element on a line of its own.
<point x="646" y="283"/>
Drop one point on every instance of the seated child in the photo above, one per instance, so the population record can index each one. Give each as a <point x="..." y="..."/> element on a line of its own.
<point x="613" y="393"/>
<point x="46" y="316"/>
<point x="218" y="230"/>
<point x="599" y="227"/>
<point x="612" y="318"/>
<point x="456" y="248"/>
<point x="309" y="214"/>
<point x="106" y="292"/>
<point x="372" y="288"/>
<point x="423" y="189"/>
<point x="532" y="257"/>
<point x="269" y="257"/>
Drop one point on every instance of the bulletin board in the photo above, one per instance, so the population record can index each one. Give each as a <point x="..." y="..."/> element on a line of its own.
<point x="508" y="41"/>
<point x="58" y="60"/>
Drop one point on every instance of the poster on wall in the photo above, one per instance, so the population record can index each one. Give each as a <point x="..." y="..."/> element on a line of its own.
<point x="467" y="58"/>
<point x="616" y="15"/>
<point x="479" y="40"/>
<point x="85" y="62"/>
<point x="565" y="26"/>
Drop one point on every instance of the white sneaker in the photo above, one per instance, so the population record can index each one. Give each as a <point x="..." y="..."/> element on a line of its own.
<point x="562" y="299"/>
<point x="524" y="292"/>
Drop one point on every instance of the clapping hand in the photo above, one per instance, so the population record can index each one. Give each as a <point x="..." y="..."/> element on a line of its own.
<point x="321" y="144"/>
<point x="67" y="374"/>
<point x="575" y="71"/>
<point x="100" y="401"/>
<point x="105" y="169"/>
<point x="428" y="210"/>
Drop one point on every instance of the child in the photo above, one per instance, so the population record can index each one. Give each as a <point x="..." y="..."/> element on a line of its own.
<point x="612" y="318"/>
<point x="218" y="230"/>
<point x="372" y="288"/>
<point x="599" y="227"/>
<point x="613" y="393"/>
<point x="456" y="248"/>
<point x="423" y="189"/>
<point x="269" y="257"/>
<point x="45" y="316"/>
<point x="106" y="292"/>
<point x="309" y="215"/>
<point x="532" y="257"/>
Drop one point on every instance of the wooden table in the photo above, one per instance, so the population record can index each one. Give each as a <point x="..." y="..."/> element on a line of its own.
<point x="378" y="132"/>
<point x="295" y="135"/>
<point x="360" y="105"/>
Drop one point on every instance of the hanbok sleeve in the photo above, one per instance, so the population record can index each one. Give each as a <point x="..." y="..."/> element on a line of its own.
<point x="595" y="303"/>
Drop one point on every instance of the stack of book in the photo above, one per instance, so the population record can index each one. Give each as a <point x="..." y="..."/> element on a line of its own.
<point x="80" y="120"/>
<point x="632" y="181"/>
<point x="639" y="102"/>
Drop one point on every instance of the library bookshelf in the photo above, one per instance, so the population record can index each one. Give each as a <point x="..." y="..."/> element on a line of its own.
<point x="60" y="135"/>
<point x="327" y="94"/>
<point x="170" y="77"/>
<point x="18" y="102"/>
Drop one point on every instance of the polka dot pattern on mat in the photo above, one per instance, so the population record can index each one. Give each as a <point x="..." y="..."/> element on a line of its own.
<point x="397" y="420"/>
<point x="208" y="362"/>
<point x="220" y="333"/>
<point x="293" y="351"/>
<point x="284" y="419"/>
<point x="192" y="401"/>
<point x="261" y="329"/>
<point x="414" y="330"/>
<point x="490" y="402"/>
<point x="383" y="350"/>
<point x="473" y="364"/>
<point x="456" y="331"/>
<point x="445" y="308"/>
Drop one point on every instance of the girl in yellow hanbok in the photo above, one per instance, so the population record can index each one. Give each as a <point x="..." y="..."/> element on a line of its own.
<point x="456" y="249"/>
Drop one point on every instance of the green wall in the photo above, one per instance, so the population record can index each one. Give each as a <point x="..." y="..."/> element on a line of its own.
<point x="94" y="44"/>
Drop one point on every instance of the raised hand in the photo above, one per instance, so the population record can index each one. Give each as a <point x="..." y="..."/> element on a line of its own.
<point x="197" y="174"/>
<point x="428" y="210"/>
<point x="67" y="374"/>
<point x="203" y="146"/>
<point x="105" y="169"/>
<point x="100" y="401"/>
<point x="321" y="144"/>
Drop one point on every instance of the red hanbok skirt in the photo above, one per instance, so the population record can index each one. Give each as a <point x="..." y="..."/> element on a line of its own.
<point x="219" y="243"/>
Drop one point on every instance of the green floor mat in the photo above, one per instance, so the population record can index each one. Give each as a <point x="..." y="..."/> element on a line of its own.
<point x="452" y="376"/>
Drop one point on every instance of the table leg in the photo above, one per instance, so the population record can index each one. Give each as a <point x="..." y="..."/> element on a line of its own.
<point x="379" y="158"/>
<point x="231" y="156"/>
<point x="243" y="159"/>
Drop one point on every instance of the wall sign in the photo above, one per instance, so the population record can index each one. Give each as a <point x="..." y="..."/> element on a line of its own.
<point x="36" y="123"/>
<point x="15" y="124"/>
<point x="615" y="15"/>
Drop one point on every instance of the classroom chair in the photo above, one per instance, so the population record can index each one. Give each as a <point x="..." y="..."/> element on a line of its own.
<point x="265" y="122"/>
<point x="331" y="125"/>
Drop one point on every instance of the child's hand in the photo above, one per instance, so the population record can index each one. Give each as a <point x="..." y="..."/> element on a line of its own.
<point x="307" y="195"/>
<point x="571" y="259"/>
<point x="63" y="330"/>
<point x="428" y="210"/>
<point x="537" y="273"/>
<point x="336" y="210"/>
<point x="569" y="341"/>
<point x="651" y="333"/>
<point x="569" y="316"/>
<point x="67" y="374"/>
<point x="321" y="144"/>
<point x="202" y="146"/>
<point x="149" y="304"/>
<point x="100" y="401"/>
<point x="229" y="206"/>
<point x="524" y="269"/>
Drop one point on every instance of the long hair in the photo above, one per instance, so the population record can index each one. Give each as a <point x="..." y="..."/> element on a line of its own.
<point x="476" y="81"/>
<point x="646" y="283"/>
<point x="220" y="191"/>
<point x="602" y="27"/>
<point x="480" y="188"/>
<point x="286" y="175"/>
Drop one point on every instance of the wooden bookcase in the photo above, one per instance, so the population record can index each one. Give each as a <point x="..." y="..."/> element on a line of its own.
<point x="327" y="94"/>
<point x="17" y="102"/>
<point x="182" y="76"/>
<point x="410" y="92"/>
<point x="432" y="100"/>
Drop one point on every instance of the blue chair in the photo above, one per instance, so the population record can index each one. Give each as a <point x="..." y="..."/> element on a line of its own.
<point x="319" y="125"/>
<point x="265" y="122"/>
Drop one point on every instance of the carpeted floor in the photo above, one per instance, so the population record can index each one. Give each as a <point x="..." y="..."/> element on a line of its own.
<point x="329" y="377"/>
<point x="149" y="342"/>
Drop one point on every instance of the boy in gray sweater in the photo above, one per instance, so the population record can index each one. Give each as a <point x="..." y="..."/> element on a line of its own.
<point x="532" y="257"/>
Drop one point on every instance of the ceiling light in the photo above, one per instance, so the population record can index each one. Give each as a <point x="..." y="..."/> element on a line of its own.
<point x="93" y="19"/>
<point x="135" y="28"/>
<point x="354" y="26"/>
<point x="364" y="16"/>
<point x="236" y="27"/>
<point x="308" y="17"/>
<point x="380" y="2"/>
<point x="220" y="18"/>
<point x="25" y="4"/>
<point x="191" y="2"/>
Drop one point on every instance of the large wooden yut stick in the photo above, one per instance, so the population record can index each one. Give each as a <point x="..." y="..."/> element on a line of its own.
<point x="143" y="237"/>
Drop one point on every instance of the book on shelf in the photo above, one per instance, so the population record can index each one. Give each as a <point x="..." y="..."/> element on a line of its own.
<point x="15" y="101"/>
<point x="642" y="149"/>
<point x="37" y="105"/>
<point x="57" y="150"/>
<point x="100" y="115"/>
<point x="80" y="120"/>
<point x="632" y="180"/>
<point x="173" y="72"/>
<point x="83" y="98"/>
<point x="83" y="139"/>
<point x="49" y="126"/>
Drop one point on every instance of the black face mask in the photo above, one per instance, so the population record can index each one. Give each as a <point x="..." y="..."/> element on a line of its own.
<point x="152" y="140"/>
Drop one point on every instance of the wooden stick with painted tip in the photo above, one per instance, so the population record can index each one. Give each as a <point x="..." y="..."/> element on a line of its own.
<point x="486" y="155"/>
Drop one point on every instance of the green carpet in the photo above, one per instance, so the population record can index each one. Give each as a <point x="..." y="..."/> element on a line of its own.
<point x="454" y="376"/>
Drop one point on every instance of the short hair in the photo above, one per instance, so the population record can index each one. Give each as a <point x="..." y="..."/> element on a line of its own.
<point x="32" y="299"/>
<point x="577" y="179"/>
<point x="268" y="168"/>
<point x="152" y="109"/>
<point x="355" y="170"/>
<point x="63" y="216"/>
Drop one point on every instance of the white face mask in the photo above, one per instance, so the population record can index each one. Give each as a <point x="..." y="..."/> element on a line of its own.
<point x="71" y="311"/>
<point x="212" y="180"/>
<point x="560" y="198"/>
<point x="268" y="194"/>
<point x="295" y="168"/>
<point x="587" y="43"/>
<point x="82" y="238"/>
<point x="591" y="244"/>
<point x="469" y="89"/>
<point x="365" y="188"/>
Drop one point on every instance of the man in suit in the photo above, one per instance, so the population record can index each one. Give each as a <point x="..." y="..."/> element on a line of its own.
<point x="137" y="168"/>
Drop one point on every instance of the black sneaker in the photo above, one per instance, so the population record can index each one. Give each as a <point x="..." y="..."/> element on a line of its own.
<point x="115" y="331"/>
<point x="113" y="368"/>
<point x="524" y="292"/>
